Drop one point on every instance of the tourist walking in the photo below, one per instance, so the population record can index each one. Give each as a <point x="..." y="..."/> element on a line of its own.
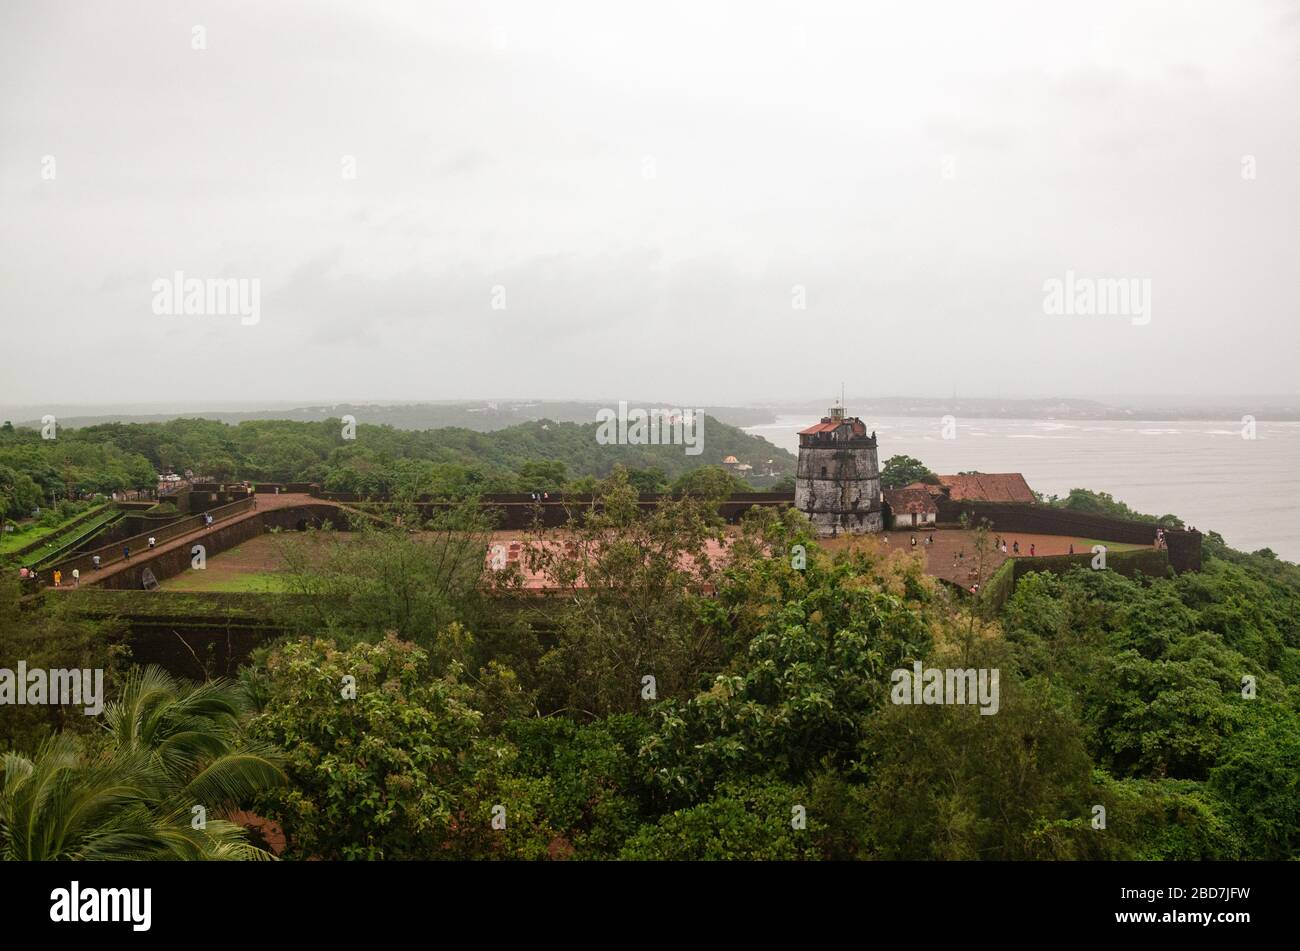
<point x="1033" y="549"/>
<point x="1015" y="547"/>
<point x="94" y="562"/>
<point x="152" y="541"/>
<point x="76" y="577"/>
<point x="126" y="552"/>
<point x="913" y="543"/>
<point x="58" y="578"/>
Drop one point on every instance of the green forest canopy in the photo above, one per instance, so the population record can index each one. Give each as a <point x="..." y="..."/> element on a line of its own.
<point x="533" y="456"/>
<point x="765" y="731"/>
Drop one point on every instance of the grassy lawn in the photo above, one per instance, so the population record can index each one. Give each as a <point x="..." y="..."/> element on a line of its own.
<point x="269" y="583"/>
<point x="25" y="535"/>
<point x="253" y="567"/>
<point x="1110" y="546"/>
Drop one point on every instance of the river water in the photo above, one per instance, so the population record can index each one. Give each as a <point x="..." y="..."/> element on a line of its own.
<point x="1204" y="472"/>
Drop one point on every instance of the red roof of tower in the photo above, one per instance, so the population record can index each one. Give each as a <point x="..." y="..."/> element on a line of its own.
<point x="825" y="426"/>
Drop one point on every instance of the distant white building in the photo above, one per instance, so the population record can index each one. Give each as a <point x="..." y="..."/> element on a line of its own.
<point x="911" y="507"/>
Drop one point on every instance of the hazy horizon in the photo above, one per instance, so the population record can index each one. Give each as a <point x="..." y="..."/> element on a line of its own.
<point x="507" y="411"/>
<point x="1155" y="400"/>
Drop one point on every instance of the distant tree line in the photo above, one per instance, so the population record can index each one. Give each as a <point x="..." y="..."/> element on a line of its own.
<point x="537" y="456"/>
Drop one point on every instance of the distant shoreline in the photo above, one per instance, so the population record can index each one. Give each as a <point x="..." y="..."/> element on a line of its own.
<point x="486" y="415"/>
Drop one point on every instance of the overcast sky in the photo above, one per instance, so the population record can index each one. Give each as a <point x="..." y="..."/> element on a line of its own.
<point x="647" y="186"/>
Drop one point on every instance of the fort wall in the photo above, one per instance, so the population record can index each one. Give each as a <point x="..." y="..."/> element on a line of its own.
<point x="222" y="536"/>
<point x="1184" y="546"/>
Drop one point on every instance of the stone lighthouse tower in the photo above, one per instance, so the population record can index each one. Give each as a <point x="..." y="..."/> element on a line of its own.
<point x="837" y="484"/>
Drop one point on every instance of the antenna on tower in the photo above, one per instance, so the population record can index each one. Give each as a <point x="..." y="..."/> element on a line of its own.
<point x="837" y="411"/>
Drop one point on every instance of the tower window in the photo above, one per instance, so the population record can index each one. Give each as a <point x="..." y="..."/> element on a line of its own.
<point x="823" y="472"/>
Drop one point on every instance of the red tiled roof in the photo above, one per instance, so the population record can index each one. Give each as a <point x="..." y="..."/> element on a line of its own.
<point x="537" y="579"/>
<point x="822" y="427"/>
<point x="934" y="490"/>
<point x="989" y="487"/>
<point x="911" y="499"/>
<point x="829" y="424"/>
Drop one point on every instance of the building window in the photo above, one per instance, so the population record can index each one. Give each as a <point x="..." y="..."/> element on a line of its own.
<point x="823" y="472"/>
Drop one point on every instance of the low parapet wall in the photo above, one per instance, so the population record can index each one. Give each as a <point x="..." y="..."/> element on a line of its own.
<point x="197" y="500"/>
<point x="189" y="634"/>
<point x="1184" y="546"/>
<point x="1184" y="550"/>
<point x="1144" y="562"/>
<point x="45" y="540"/>
<point x="218" y="538"/>
<point x="222" y="536"/>
<point x="1047" y="520"/>
<point x="89" y="534"/>
<point x="557" y="498"/>
<point x="518" y="511"/>
<point x="111" y="554"/>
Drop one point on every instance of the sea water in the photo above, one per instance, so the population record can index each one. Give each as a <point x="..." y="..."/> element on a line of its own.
<point x="1206" y="473"/>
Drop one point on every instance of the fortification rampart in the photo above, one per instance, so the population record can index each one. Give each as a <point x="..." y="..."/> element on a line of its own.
<point x="1184" y="546"/>
<point x="222" y="536"/>
<point x="111" y="554"/>
<point x="520" y="511"/>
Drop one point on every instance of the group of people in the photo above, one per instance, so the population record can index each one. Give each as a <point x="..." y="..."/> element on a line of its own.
<point x="1000" y="544"/>
<point x="30" y="574"/>
<point x="539" y="496"/>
